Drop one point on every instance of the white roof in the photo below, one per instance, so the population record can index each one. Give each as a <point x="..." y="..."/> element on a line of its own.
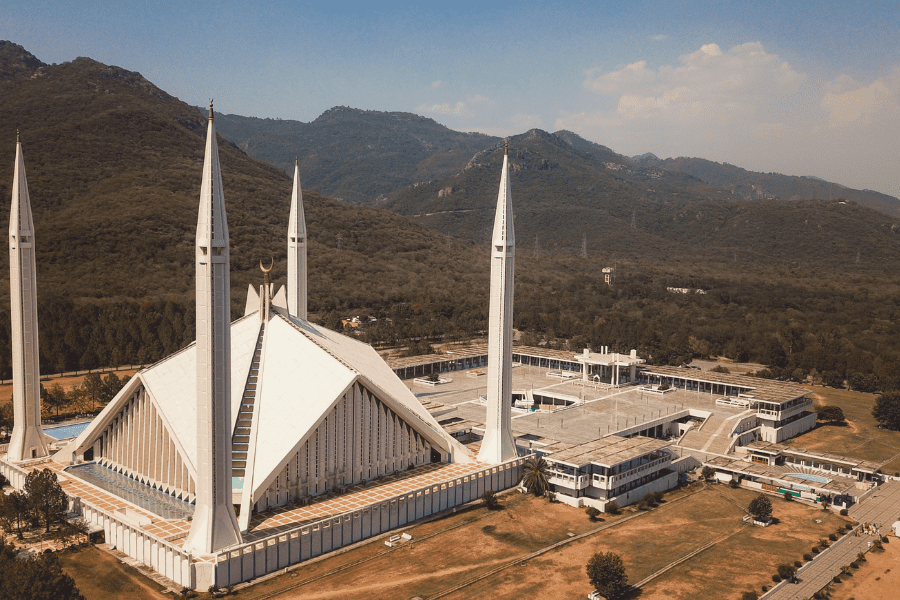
<point x="304" y="370"/>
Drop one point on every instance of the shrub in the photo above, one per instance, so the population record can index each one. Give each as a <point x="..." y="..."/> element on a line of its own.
<point x="807" y="557"/>
<point x="798" y="564"/>
<point x="844" y="512"/>
<point x="832" y="537"/>
<point x="734" y="483"/>
<point x="613" y="507"/>
<point x="877" y="545"/>
<point x="815" y="550"/>
<point x="788" y="497"/>
<point x="885" y="539"/>
<point x="592" y="513"/>
<point x="860" y="557"/>
<point x="776" y="578"/>
<point x="786" y="571"/>
<point x="751" y="595"/>
<point x="837" y="579"/>
<point x="707" y="472"/>
<point x="490" y="500"/>
<point x="765" y="588"/>
<point x="854" y="565"/>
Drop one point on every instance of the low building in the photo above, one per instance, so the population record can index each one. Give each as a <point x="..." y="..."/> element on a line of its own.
<point x="609" y="469"/>
<point x="782" y="409"/>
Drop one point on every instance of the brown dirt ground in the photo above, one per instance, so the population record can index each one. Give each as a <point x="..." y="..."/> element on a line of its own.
<point x="487" y="539"/>
<point x="860" y="438"/>
<point x="101" y="576"/>
<point x="878" y="578"/>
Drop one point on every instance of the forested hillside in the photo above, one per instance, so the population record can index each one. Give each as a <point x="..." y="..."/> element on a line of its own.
<point x="359" y="156"/>
<point x="113" y="162"/>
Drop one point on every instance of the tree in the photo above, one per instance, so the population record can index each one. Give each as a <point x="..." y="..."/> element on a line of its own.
<point x="831" y="414"/>
<point x="56" y="396"/>
<point x="887" y="410"/>
<point x="606" y="572"/>
<point x="707" y="472"/>
<point x="111" y="386"/>
<point x="612" y="507"/>
<point x="592" y="512"/>
<point x="7" y="418"/>
<point x="760" y="507"/>
<point x="35" y="578"/>
<point x="786" y="571"/>
<point x="15" y="509"/>
<point x="93" y="388"/>
<point x="46" y="496"/>
<point x="537" y="475"/>
<point x="750" y="595"/>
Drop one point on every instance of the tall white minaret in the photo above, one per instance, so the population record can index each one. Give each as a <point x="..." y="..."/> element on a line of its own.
<point x="27" y="437"/>
<point x="296" y="287"/>
<point x="214" y="525"/>
<point x="498" y="444"/>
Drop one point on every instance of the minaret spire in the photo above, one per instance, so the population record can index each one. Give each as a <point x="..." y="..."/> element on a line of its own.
<point x="27" y="439"/>
<point x="498" y="444"/>
<point x="296" y="287"/>
<point x="214" y="525"/>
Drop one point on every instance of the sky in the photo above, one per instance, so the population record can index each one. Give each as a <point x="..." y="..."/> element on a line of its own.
<point x="799" y="87"/>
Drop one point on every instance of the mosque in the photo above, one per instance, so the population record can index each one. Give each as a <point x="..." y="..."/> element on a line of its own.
<point x="270" y="439"/>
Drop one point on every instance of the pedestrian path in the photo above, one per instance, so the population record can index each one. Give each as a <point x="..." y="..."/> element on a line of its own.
<point x="881" y="508"/>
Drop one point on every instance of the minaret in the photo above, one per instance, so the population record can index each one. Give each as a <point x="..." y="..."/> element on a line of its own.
<point x="498" y="444"/>
<point x="214" y="525"/>
<point x="296" y="287"/>
<point x="27" y="437"/>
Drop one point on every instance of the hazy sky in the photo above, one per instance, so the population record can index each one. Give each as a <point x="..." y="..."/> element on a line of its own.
<point x="800" y="87"/>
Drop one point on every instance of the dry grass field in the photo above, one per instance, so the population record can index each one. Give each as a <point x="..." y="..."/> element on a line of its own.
<point x="860" y="438"/>
<point x="878" y="578"/>
<point x="100" y="576"/>
<point x="475" y="543"/>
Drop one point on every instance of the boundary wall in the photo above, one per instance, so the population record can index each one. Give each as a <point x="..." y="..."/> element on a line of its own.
<point x="287" y="547"/>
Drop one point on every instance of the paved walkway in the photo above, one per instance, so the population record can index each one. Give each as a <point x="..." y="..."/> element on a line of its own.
<point x="881" y="508"/>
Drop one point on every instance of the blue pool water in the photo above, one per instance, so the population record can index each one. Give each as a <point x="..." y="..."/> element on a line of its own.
<point x="66" y="431"/>
<point x="156" y="501"/>
<point x="808" y="477"/>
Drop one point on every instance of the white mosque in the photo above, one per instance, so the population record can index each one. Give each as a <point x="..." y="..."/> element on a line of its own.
<point x="270" y="439"/>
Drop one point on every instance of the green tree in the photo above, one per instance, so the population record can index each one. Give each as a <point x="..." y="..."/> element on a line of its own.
<point x="786" y="571"/>
<point x="592" y="513"/>
<point x="111" y="386"/>
<point x="536" y="477"/>
<point x="15" y="510"/>
<point x="46" y="496"/>
<point x="707" y="472"/>
<point x="831" y="414"/>
<point x="887" y="410"/>
<point x="7" y="418"/>
<point x="606" y="572"/>
<point x="35" y="578"/>
<point x="760" y="507"/>
<point x="56" y="397"/>
<point x="93" y="388"/>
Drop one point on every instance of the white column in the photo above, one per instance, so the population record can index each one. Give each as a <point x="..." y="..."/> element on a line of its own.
<point x="27" y="440"/>
<point x="214" y="525"/>
<point x="498" y="444"/>
<point x="296" y="287"/>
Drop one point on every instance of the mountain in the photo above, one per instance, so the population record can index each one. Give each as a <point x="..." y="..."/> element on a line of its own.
<point x="568" y="192"/>
<point x="359" y="156"/>
<point x="114" y="166"/>
<point x="751" y="185"/>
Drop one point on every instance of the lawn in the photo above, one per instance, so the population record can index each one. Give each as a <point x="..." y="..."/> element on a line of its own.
<point x="860" y="438"/>
<point x="877" y="578"/>
<point x="452" y="550"/>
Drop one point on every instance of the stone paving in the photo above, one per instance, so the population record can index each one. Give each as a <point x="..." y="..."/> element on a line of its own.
<point x="881" y="508"/>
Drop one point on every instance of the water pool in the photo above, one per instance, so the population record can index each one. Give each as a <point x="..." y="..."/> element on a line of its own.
<point x="65" y="432"/>
<point x="808" y="477"/>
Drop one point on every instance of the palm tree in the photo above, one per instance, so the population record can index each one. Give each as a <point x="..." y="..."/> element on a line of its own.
<point x="536" y="475"/>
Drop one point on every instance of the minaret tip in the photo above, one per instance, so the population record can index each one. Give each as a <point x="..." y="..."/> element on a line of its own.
<point x="506" y="148"/>
<point x="210" y="109"/>
<point x="17" y="135"/>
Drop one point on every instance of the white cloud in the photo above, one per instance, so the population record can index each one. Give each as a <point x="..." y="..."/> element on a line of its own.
<point x="847" y="102"/>
<point x="749" y="107"/>
<point x="442" y="109"/>
<point x="659" y="37"/>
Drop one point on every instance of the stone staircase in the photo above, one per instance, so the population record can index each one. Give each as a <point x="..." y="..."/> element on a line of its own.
<point x="240" y="440"/>
<point x="698" y="437"/>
